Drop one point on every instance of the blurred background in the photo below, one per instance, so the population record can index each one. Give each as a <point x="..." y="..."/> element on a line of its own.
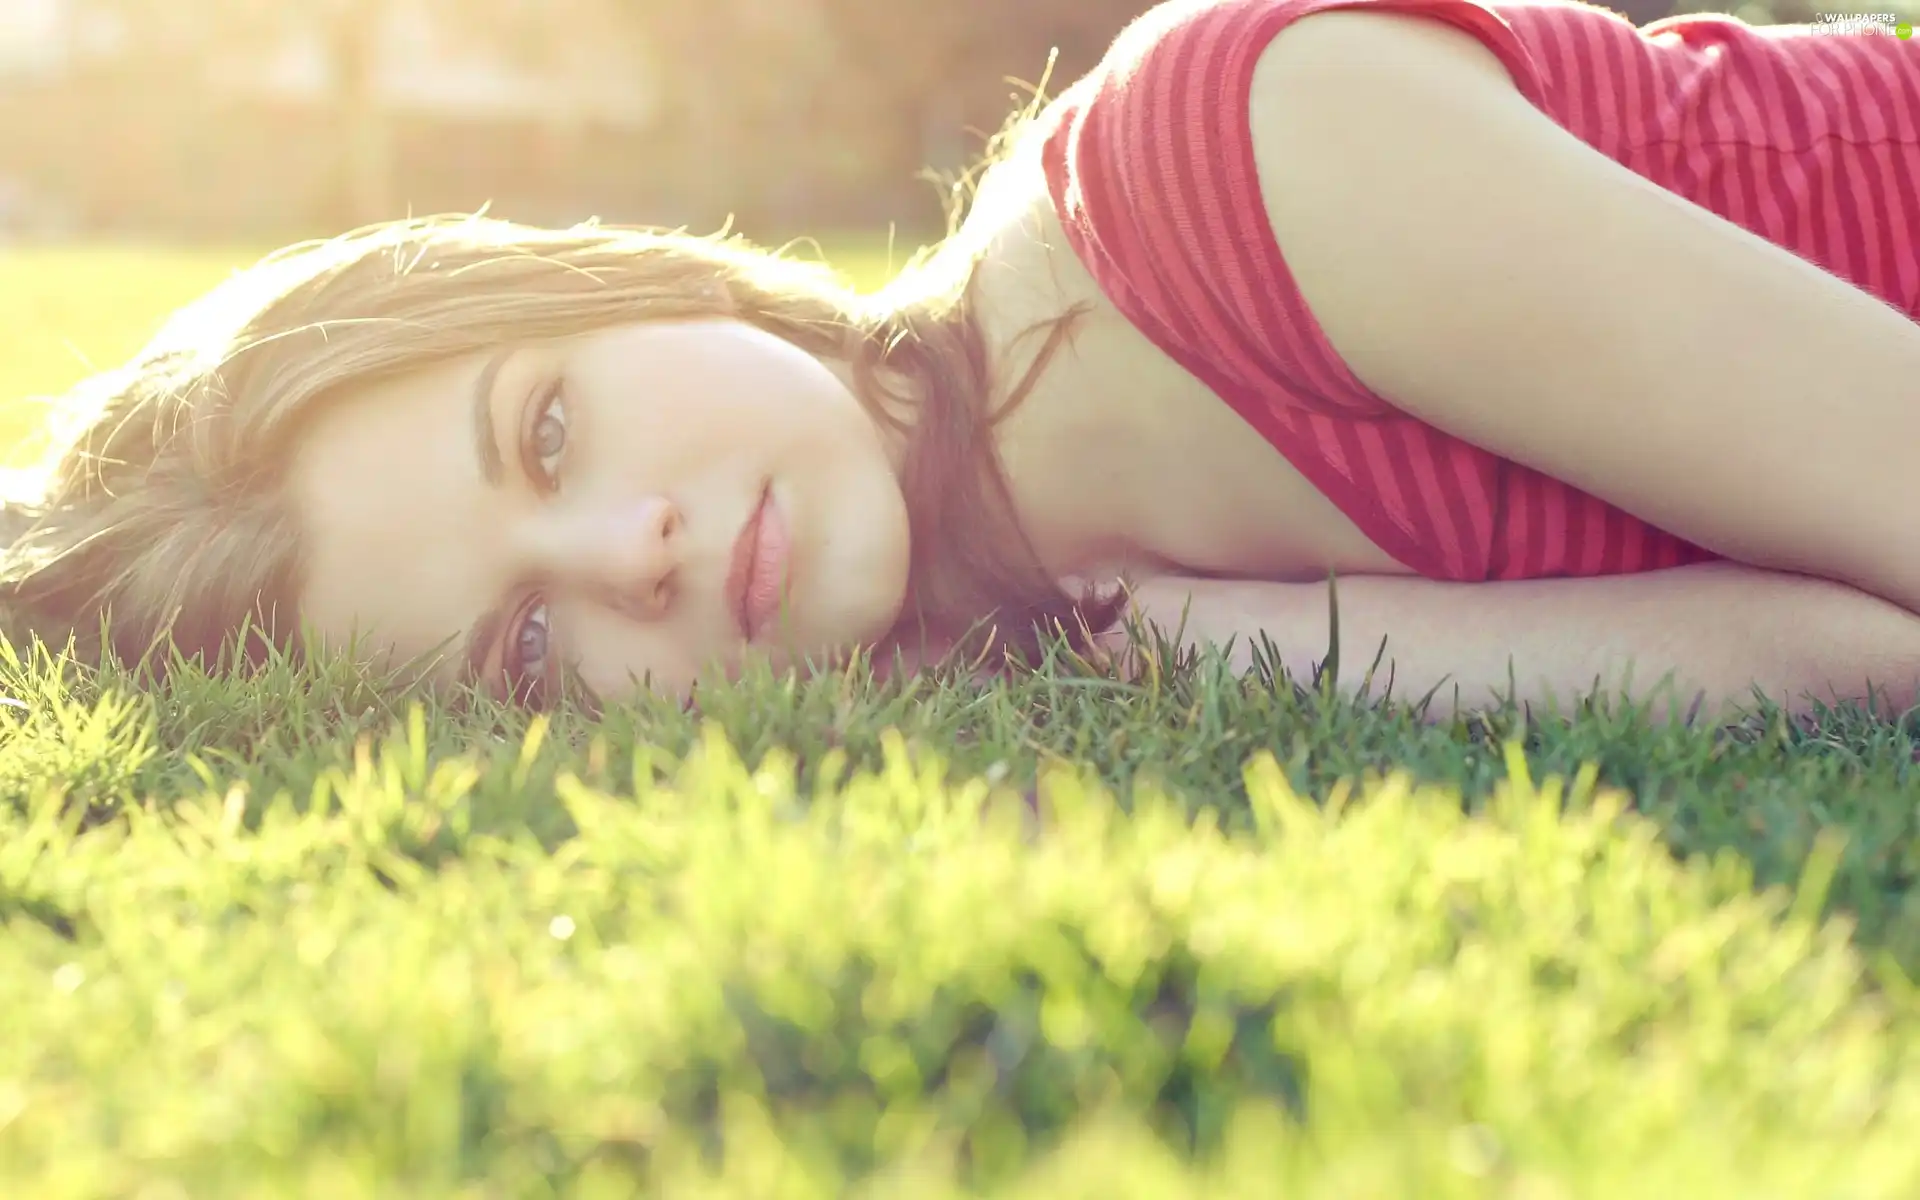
<point x="269" y="120"/>
<point x="147" y="147"/>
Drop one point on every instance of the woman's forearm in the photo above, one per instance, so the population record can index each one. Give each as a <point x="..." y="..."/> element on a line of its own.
<point x="1719" y="629"/>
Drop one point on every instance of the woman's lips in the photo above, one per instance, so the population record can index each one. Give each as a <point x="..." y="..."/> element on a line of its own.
<point x="757" y="576"/>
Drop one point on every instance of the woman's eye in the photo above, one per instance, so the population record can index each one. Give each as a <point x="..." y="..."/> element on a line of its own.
<point x="546" y="439"/>
<point x="527" y="649"/>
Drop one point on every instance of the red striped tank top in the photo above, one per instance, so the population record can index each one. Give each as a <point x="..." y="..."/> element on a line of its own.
<point x="1810" y="141"/>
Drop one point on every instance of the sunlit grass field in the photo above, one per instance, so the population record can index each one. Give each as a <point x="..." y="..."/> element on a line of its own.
<point x="299" y="934"/>
<point x="65" y="312"/>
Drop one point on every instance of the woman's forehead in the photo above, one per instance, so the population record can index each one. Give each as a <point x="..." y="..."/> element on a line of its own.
<point x="393" y="514"/>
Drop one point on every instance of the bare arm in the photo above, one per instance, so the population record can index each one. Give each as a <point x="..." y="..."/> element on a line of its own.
<point x="1721" y="629"/>
<point x="1488" y="272"/>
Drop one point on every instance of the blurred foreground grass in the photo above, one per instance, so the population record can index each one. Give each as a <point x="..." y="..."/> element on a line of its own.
<point x="1062" y="936"/>
<point x="1059" y="938"/>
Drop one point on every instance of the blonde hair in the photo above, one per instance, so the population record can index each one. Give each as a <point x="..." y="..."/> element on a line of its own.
<point x="158" y="515"/>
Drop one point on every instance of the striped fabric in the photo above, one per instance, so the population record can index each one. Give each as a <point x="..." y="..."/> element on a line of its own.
<point x="1810" y="141"/>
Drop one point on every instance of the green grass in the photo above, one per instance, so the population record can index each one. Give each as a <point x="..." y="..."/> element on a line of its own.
<point x="302" y="935"/>
<point x="66" y="312"/>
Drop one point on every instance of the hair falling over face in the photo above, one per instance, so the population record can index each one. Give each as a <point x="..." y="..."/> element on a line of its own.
<point x="159" y="515"/>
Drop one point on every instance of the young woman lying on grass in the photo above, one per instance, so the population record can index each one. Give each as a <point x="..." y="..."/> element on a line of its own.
<point x="1567" y="346"/>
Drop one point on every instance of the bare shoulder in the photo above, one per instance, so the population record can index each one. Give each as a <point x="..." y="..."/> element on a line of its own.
<point x="1377" y="136"/>
<point x="1352" y="74"/>
<point x="1329" y="45"/>
<point x="1489" y="272"/>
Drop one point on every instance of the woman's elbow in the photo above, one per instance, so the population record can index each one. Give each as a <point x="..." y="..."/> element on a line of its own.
<point x="1866" y="654"/>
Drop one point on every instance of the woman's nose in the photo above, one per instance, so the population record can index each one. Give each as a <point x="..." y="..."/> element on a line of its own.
<point x="628" y="554"/>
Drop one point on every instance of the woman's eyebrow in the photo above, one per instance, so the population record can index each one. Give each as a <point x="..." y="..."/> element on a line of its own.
<point x="486" y="447"/>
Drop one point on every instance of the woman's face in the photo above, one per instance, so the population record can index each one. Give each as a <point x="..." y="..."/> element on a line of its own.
<point x="631" y="507"/>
